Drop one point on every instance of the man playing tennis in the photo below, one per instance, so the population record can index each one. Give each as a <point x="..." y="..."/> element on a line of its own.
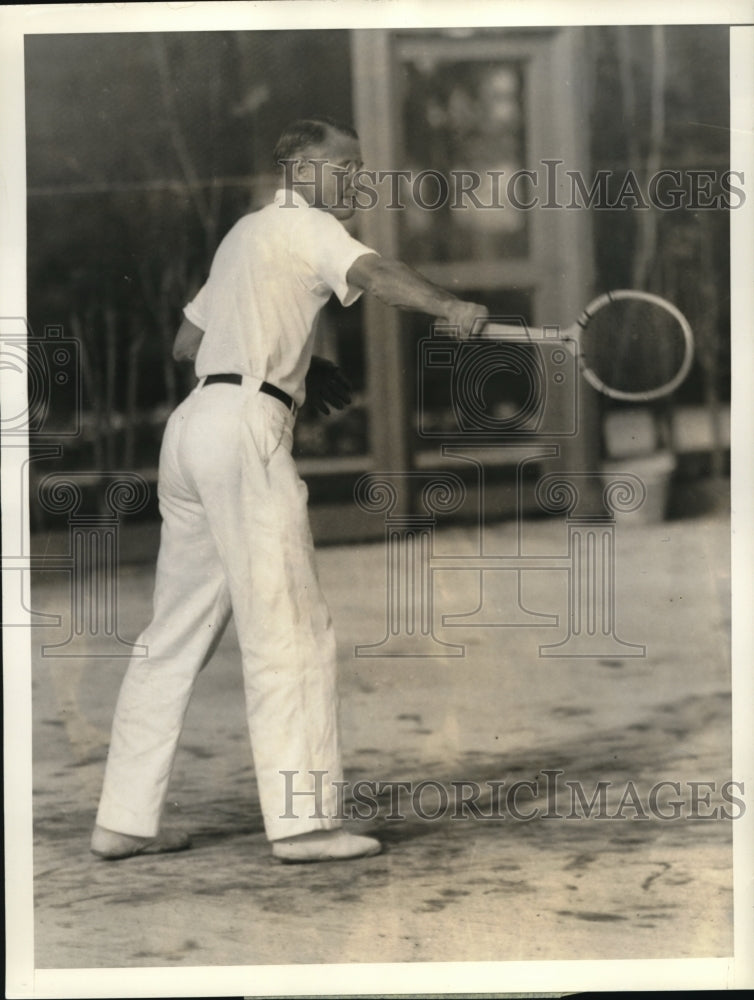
<point x="235" y="533"/>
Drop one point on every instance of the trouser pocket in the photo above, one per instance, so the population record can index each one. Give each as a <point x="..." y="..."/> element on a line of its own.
<point x="267" y="420"/>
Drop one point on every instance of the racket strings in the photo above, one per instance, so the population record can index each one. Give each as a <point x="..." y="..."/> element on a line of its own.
<point x="633" y="346"/>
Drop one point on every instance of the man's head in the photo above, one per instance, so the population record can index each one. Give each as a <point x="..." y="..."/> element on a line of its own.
<point x="319" y="157"/>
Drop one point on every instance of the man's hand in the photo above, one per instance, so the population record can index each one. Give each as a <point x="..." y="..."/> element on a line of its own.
<point x="326" y="384"/>
<point x="469" y="317"/>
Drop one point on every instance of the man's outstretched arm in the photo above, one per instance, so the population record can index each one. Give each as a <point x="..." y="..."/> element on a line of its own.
<point x="396" y="284"/>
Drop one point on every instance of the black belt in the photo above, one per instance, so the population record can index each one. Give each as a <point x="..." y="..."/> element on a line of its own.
<point x="271" y="390"/>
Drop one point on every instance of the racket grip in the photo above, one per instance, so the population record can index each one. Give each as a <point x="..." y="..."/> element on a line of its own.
<point x="505" y="331"/>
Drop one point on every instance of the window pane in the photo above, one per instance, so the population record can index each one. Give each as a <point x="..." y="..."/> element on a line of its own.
<point x="464" y="119"/>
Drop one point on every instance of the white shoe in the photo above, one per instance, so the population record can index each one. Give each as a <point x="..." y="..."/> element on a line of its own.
<point x="324" y="845"/>
<point x="112" y="846"/>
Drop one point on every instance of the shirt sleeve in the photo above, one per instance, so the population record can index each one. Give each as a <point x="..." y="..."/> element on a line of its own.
<point x="329" y="250"/>
<point x="195" y="311"/>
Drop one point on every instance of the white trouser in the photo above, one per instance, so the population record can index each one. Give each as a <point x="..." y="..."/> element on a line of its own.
<point x="235" y="533"/>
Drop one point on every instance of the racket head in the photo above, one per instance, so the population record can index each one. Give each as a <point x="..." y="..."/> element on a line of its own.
<point x="634" y="346"/>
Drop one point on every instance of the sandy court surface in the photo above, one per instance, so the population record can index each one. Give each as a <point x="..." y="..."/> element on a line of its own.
<point x="466" y="888"/>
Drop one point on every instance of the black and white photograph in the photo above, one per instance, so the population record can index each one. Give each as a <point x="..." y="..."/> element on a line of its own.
<point x="376" y="497"/>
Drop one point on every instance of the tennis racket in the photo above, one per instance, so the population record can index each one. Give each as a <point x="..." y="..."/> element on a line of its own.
<point x="630" y="345"/>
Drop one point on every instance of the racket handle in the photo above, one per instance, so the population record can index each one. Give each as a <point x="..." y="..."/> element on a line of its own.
<point x="523" y="334"/>
<point x="505" y="331"/>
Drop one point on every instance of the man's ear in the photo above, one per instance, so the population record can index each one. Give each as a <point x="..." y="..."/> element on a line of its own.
<point x="302" y="168"/>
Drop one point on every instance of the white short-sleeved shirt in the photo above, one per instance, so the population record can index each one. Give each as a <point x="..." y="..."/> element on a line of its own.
<point x="270" y="277"/>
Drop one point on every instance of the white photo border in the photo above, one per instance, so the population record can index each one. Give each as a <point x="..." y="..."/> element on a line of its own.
<point x="23" y="980"/>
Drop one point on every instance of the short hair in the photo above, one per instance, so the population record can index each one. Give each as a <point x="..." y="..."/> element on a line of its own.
<point x="305" y="133"/>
